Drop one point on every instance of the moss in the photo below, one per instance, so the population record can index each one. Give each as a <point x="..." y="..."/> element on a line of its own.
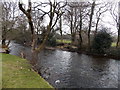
<point x="16" y="73"/>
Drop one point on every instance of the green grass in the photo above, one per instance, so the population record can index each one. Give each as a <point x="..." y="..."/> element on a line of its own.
<point x="63" y="41"/>
<point x="113" y="44"/>
<point x="16" y="73"/>
<point x="69" y="41"/>
<point x="0" y="72"/>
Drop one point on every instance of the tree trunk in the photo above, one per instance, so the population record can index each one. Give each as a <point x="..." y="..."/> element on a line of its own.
<point x="71" y="29"/>
<point x="34" y="59"/>
<point x="90" y="23"/>
<point x="61" y="28"/>
<point x="80" y="31"/>
<point x="48" y="31"/>
<point x="3" y="42"/>
<point x="73" y="37"/>
<point x="8" y="43"/>
<point x="96" y="27"/>
<point x="28" y="15"/>
<point x="4" y="35"/>
<point x="118" y="37"/>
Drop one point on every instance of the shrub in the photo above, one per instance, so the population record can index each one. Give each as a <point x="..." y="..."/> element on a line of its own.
<point x="51" y="40"/>
<point x="22" y="37"/>
<point x="101" y="42"/>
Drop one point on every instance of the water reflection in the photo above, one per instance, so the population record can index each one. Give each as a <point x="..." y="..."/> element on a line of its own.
<point x="79" y="70"/>
<point x="75" y="70"/>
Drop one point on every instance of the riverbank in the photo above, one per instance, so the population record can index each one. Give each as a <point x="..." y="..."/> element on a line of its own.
<point x="17" y="73"/>
<point x="112" y="53"/>
<point x="58" y="65"/>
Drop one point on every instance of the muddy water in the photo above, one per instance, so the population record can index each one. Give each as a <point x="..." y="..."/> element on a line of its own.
<point x="65" y="69"/>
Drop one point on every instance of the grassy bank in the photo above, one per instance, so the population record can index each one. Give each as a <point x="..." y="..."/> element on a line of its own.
<point x="113" y="44"/>
<point x="69" y="41"/>
<point x="63" y="41"/>
<point x="16" y="73"/>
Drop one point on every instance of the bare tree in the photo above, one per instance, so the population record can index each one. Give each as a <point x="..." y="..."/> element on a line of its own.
<point x="8" y="20"/>
<point x="53" y="14"/>
<point x="71" y="17"/>
<point x="118" y="41"/>
<point x="60" y="22"/>
<point x="80" y="29"/>
<point x="90" y="23"/>
<point x="102" y="8"/>
<point x="116" y="16"/>
<point x="37" y="21"/>
<point x="29" y="16"/>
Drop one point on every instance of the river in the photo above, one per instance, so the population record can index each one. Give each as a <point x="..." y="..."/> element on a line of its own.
<point x="72" y="70"/>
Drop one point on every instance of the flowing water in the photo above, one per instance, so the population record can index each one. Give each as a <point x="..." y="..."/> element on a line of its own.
<point x="64" y="69"/>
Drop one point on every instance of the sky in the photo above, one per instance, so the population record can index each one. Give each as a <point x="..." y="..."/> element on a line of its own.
<point x="107" y="19"/>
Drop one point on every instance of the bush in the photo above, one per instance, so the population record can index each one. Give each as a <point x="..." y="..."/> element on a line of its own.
<point x="51" y="40"/>
<point x="101" y="42"/>
<point x="22" y="37"/>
